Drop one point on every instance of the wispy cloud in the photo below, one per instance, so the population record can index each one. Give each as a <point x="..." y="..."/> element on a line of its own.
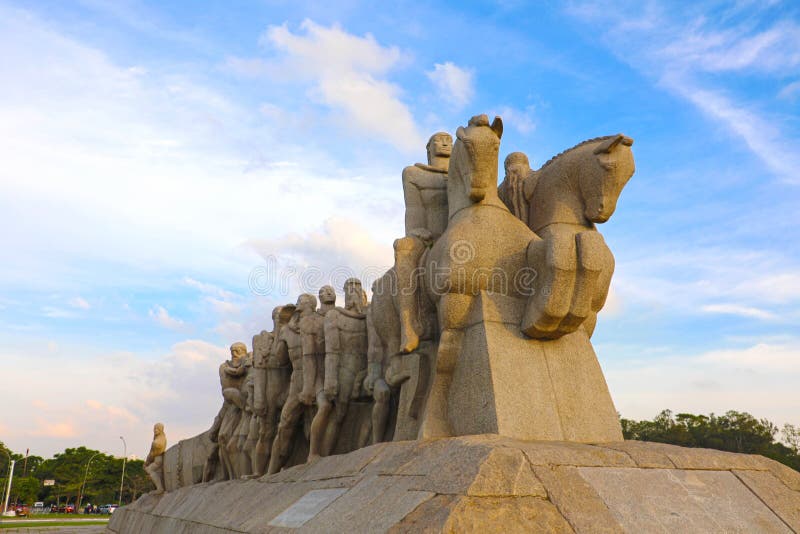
<point x="80" y="303"/>
<point x="521" y="120"/>
<point x="455" y="85"/>
<point x="127" y="391"/>
<point x="760" y="379"/>
<point x="682" y="51"/>
<point x="736" y="309"/>
<point x="161" y="316"/>
<point x="347" y="73"/>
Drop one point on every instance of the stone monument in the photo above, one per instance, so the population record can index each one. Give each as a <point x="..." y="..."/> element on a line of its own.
<point x="466" y="396"/>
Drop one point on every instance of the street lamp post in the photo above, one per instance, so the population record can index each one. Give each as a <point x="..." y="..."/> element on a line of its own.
<point x="4" y="487"/>
<point x="10" y="467"/>
<point x="83" y="486"/>
<point x="8" y="490"/>
<point x="122" y="478"/>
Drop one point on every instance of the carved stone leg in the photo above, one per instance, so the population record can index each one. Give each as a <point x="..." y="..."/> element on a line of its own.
<point x="319" y="427"/>
<point x="290" y="415"/>
<point x="224" y="458"/>
<point x="435" y="423"/>
<point x="156" y="472"/>
<point x="407" y="252"/>
<point x="380" y="411"/>
<point x="555" y="262"/>
<point x="341" y="403"/>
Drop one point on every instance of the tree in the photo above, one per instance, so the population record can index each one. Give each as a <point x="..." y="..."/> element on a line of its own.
<point x="791" y="436"/>
<point x="734" y="432"/>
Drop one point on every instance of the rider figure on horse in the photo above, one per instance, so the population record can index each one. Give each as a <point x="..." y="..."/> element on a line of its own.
<point x="425" y="194"/>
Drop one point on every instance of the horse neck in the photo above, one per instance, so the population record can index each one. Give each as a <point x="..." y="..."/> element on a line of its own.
<point x="457" y="195"/>
<point x="558" y="197"/>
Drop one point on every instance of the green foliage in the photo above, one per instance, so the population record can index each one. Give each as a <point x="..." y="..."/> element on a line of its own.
<point x="81" y="474"/>
<point x="734" y="432"/>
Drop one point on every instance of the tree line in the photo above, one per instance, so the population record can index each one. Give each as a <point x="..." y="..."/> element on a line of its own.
<point x="733" y="432"/>
<point x="69" y="469"/>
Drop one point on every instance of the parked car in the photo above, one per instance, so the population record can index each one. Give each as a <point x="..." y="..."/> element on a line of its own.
<point x="69" y="509"/>
<point x="22" y="510"/>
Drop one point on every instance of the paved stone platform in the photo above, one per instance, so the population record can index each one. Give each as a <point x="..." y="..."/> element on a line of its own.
<point x="489" y="483"/>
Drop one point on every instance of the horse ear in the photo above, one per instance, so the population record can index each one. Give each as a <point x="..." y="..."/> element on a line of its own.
<point x="460" y="133"/>
<point x="609" y="144"/>
<point x="497" y="126"/>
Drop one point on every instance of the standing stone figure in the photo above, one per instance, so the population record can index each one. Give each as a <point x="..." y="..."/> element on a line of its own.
<point x="425" y="194"/>
<point x="312" y="329"/>
<point x="154" y="464"/>
<point x="248" y="429"/>
<point x="232" y="374"/>
<point x="345" y="366"/>
<point x="290" y="349"/>
<point x="513" y="187"/>
<point x="271" y="389"/>
<point x="262" y="342"/>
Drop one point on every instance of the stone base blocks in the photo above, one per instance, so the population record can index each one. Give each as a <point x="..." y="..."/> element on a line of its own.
<point x="489" y="483"/>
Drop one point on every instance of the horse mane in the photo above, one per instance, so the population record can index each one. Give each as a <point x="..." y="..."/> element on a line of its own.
<point x="582" y="143"/>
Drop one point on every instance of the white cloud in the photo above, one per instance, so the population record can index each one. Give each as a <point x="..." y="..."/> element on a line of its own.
<point x="790" y="91"/>
<point x="519" y="119"/>
<point x="108" y="394"/>
<point x="757" y="132"/>
<point x="162" y="317"/>
<point x="455" y="85"/>
<point x="209" y="289"/>
<point x="57" y="313"/>
<point x="341" y="248"/>
<point x="162" y="155"/>
<point x="758" y="284"/>
<point x="680" y="50"/>
<point x="80" y="303"/>
<point x="760" y="379"/>
<point x="774" y="49"/>
<point x="347" y="74"/>
<point x="736" y="309"/>
<point x="223" y="306"/>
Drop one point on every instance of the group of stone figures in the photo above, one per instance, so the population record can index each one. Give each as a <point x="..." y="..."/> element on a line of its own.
<point x="481" y="326"/>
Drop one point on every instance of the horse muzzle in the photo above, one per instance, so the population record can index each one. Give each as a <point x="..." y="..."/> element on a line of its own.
<point x="476" y="194"/>
<point x="598" y="209"/>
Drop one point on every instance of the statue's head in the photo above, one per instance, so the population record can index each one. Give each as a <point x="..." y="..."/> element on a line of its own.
<point x="517" y="165"/>
<point x="238" y="351"/>
<point x="354" y="295"/>
<point x="604" y="176"/>
<point x="327" y="295"/>
<point x="475" y="156"/>
<point x="285" y="313"/>
<point x="306" y="303"/>
<point x="440" y="145"/>
<point x="158" y="429"/>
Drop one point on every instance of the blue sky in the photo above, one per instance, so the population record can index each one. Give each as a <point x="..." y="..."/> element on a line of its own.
<point x="157" y="157"/>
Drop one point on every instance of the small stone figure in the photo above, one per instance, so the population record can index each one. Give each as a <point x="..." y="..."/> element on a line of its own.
<point x="232" y="374"/>
<point x="154" y="463"/>
<point x="290" y="349"/>
<point x="345" y="365"/>
<point x="425" y="194"/>
<point x="513" y="187"/>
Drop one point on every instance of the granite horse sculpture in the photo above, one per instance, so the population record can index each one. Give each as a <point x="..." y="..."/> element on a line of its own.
<point x="567" y="196"/>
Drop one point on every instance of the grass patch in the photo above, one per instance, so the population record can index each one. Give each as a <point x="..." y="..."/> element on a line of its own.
<point x="49" y="524"/>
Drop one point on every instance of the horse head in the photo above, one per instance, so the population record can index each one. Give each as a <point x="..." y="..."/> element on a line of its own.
<point x="603" y="177"/>
<point x="472" y="175"/>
